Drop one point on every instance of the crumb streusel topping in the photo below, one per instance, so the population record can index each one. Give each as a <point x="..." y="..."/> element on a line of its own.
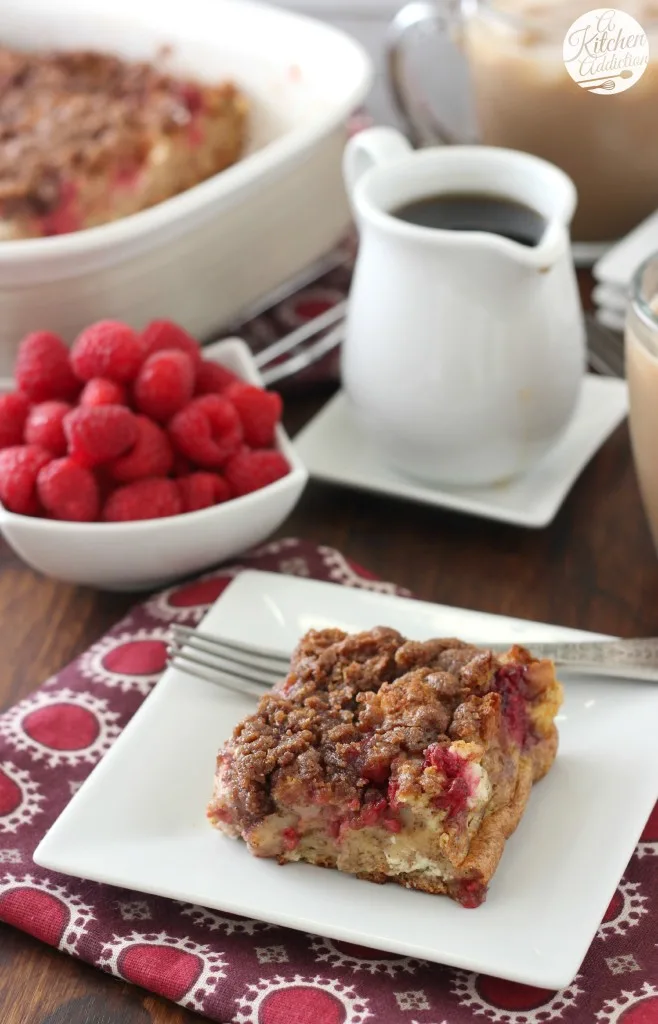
<point x="354" y="707"/>
<point x="82" y="112"/>
<point x="391" y="760"/>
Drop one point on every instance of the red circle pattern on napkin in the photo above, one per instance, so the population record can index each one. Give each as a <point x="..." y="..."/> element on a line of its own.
<point x="233" y="969"/>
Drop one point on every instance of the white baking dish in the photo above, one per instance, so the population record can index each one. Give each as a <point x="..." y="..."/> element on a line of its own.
<point x="210" y="252"/>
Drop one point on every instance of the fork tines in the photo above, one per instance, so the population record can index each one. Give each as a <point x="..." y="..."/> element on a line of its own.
<point x="236" y="666"/>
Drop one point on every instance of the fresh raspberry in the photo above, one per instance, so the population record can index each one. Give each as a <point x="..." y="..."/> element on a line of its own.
<point x="208" y="431"/>
<point x="152" y="498"/>
<point x="100" y="391"/>
<point x="68" y="491"/>
<point x="45" y="426"/>
<point x="164" y="334"/>
<point x="249" y="471"/>
<point x="151" y="455"/>
<point x="13" y="413"/>
<point x="99" y="433"/>
<point x="107" y="349"/>
<point x="182" y="466"/>
<point x="105" y="482"/>
<point x="19" y="467"/>
<point x="42" y="368"/>
<point x="201" y="490"/>
<point x="211" y="378"/>
<point x="259" y="412"/>
<point x="165" y="384"/>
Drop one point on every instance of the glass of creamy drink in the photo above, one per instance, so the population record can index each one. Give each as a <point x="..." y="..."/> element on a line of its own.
<point x="525" y="99"/>
<point x="642" y="375"/>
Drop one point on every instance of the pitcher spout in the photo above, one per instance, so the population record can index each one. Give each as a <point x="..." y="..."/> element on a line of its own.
<point x="553" y="194"/>
<point x="551" y="247"/>
<point x="550" y="192"/>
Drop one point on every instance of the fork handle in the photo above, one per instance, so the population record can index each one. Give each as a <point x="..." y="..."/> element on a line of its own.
<point x="307" y="357"/>
<point x="628" y="659"/>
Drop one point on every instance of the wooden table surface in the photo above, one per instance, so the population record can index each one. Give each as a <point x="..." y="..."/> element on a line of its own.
<point x="593" y="568"/>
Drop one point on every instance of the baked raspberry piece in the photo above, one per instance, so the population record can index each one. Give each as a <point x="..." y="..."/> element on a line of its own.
<point x="259" y="412"/>
<point x="97" y="434"/>
<point x="211" y="378"/>
<point x="42" y="368"/>
<point x="100" y="391"/>
<point x="68" y="491"/>
<point x="164" y="334"/>
<point x="153" y="498"/>
<point x="14" y="408"/>
<point x="249" y="471"/>
<point x="164" y="384"/>
<point x="19" y="468"/>
<point x="45" y="426"/>
<point x="151" y="454"/>
<point x="202" y="490"/>
<point x="391" y="759"/>
<point x="207" y="431"/>
<point x="107" y="349"/>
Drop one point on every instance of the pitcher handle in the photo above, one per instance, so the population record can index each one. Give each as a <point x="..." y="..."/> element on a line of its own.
<point x="370" y="148"/>
<point x="434" y="16"/>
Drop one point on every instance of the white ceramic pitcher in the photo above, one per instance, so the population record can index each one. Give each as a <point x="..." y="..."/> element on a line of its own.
<point x="464" y="352"/>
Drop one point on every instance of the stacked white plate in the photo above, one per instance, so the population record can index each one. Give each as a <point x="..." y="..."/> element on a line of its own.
<point x="614" y="272"/>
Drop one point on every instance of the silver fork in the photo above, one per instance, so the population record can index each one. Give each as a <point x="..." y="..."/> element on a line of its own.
<point x="239" y="667"/>
<point x="306" y="356"/>
<point x="605" y="349"/>
<point x="248" y="668"/>
<point x="268" y="360"/>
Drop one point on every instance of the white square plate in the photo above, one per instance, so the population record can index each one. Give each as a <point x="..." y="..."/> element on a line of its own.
<point x="139" y="820"/>
<point x="334" y="449"/>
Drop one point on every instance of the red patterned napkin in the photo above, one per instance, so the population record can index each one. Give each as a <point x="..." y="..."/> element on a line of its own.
<point x="242" y="971"/>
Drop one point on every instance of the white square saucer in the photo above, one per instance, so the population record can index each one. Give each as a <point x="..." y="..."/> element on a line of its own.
<point x="334" y="449"/>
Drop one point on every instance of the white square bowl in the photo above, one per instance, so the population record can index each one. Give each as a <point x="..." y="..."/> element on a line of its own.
<point x="151" y="552"/>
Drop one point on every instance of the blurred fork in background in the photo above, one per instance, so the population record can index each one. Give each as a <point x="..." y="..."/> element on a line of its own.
<point x="313" y="340"/>
<point x="605" y="349"/>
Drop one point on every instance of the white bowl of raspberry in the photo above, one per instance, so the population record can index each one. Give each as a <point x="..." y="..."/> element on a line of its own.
<point x="131" y="461"/>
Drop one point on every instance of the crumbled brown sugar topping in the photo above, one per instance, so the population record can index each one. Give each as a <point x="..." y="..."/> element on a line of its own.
<point x="82" y="112"/>
<point x="350" y="707"/>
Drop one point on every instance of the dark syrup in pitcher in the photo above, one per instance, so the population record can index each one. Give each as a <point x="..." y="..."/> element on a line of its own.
<point x="468" y="211"/>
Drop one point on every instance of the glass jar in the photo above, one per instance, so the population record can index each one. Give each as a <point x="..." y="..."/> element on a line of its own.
<point x="642" y="376"/>
<point x="525" y="99"/>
